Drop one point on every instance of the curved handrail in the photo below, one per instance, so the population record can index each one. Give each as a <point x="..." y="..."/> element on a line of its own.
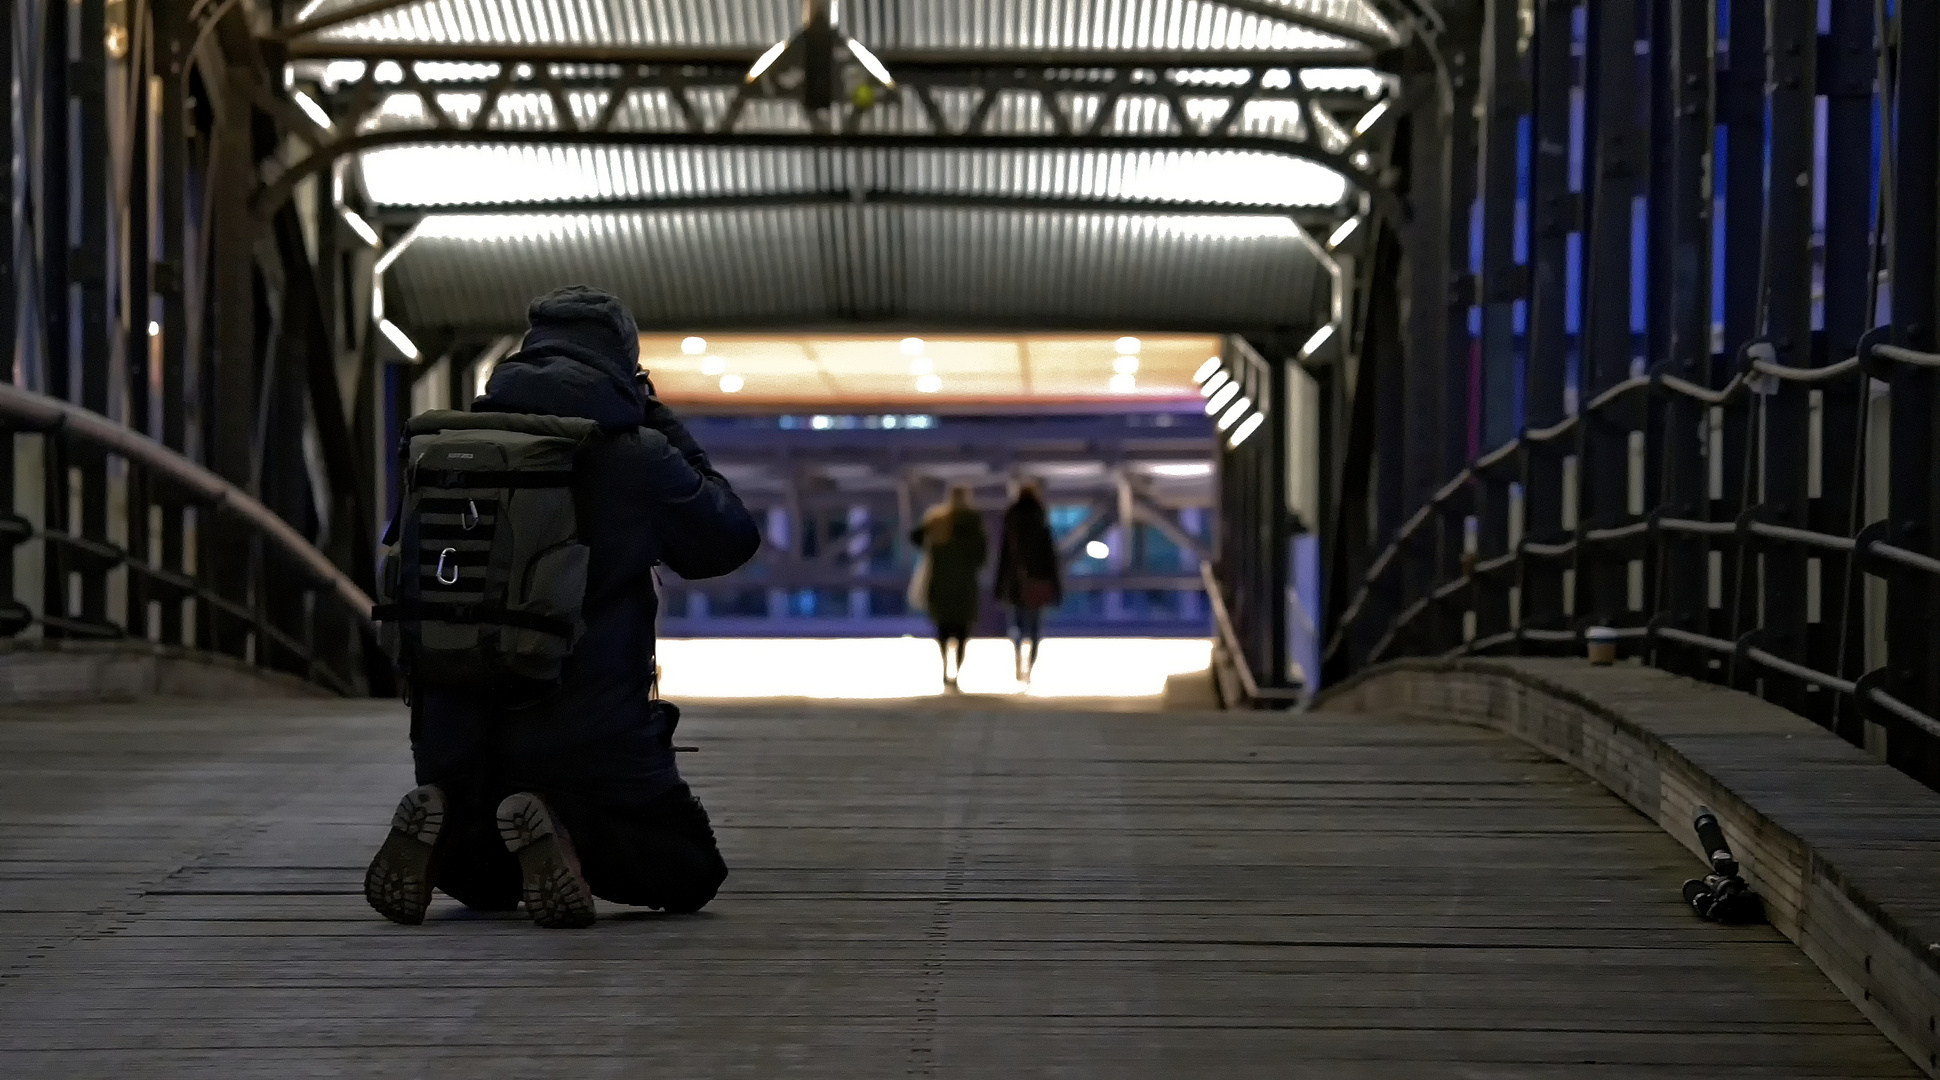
<point x="42" y="413"/>
<point x="1229" y="639"/>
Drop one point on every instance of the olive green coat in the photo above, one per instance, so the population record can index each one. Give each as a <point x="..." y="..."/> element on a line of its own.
<point x="954" y="566"/>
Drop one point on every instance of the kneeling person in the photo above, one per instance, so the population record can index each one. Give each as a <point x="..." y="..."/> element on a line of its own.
<point x="518" y="601"/>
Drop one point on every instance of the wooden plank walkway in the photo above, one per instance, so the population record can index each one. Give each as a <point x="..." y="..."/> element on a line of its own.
<point x="916" y="892"/>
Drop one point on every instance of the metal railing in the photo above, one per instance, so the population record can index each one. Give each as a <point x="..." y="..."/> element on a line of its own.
<point x="287" y="607"/>
<point x="1652" y="629"/>
<point x="1228" y="652"/>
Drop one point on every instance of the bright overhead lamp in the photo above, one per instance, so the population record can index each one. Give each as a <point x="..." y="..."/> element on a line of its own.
<point x="1231" y="416"/>
<point x="767" y="60"/>
<point x="377" y="298"/>
<point x="1218" y="401"/>
<point x="361" y="227"/>
<point x="1124" y="383"/>
<point x="912" y="346"/>
<point x="1098" y="549"/>
<point x="1125" y="365"/>
<point x="313" y="110"/>
<point x="1251" y="425"/>
<point x="870" y="63"/>
<point x="1127" y="346"/>
<point x="154" y="329"/>
<point x="404" y="344"/>
<point x="1370" y="118"/>
<point x="1315" y="342"/>
<point x="1181" y="468"/>
<point x="693" y="346"/>
<point x="928" y="384"/>
<point x="1206" y="370"/>
<point x="922" y="365"/>
<point x="1211" y="386"/>
<point x="1342" y="232"/>
<point x="732" y="384"/>
<point x="308" y="10"/>
<point x="713" y="365"/>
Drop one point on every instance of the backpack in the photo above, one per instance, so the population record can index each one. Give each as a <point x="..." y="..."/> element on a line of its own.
<point x="483" y="584"/>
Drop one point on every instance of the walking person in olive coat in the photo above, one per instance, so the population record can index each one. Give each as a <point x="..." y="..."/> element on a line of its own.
<point x="1027" y="573"/>
<point x="952" y="537"/>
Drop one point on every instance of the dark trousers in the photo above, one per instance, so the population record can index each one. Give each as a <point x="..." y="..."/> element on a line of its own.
<point x="660" y="854"/>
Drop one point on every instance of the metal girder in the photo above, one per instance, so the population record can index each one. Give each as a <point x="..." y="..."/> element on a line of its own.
<point x="1310" y="219"/>
<point x="933" y="105"/>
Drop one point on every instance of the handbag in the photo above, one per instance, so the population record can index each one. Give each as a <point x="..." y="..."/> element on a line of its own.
<point x="919" y="585"/>
<point x="1036" y="593"/>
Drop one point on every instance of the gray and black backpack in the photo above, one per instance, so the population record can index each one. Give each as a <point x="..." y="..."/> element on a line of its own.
<point x="483" y="584"/>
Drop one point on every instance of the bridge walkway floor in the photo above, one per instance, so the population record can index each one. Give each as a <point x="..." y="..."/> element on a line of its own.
<point x="961" y="892"/>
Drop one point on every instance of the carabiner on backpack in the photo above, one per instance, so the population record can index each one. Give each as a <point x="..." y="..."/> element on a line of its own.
<point x="443" y="556"/>
<point x="469" y="519"/>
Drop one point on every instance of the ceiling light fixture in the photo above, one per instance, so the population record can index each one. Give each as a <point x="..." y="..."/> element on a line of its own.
<point x="732" y="384"/>
<point x="1340" y="234"/>
<point x="922" y="365"/>
<point x="928" y="384"/>
<point x="912" y="346"/>
<point x="1211" y="386"/>
<point x="1098" y="549"/>
<point x="154" y="329"/>
<point x="1124" y="383"/>
<point x="362" y="228"/>
<point x="1182" y="468"/>
<point x="1125" y="365"/>
<point x="1315" y="342"/>
<point x="869" y="62"/>
<point x="313" y="110"/>
<point x="404" y="344"/>
<point x="1370" y="118"/>
<point x="1231" y="416"/>
<point x="713" y="365"/>
<point x="767" y="60"/>
<point x="693" y="346"/>
<point x="1218" y="401"/>
<point x="1251" y="425"/>
<point x="1206" y="370"/>
<point x="1127" y="346"/>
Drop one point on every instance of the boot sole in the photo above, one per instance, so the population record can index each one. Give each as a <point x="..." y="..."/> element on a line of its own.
<point x="556" y="895"/>
<point x="398" y="883"/>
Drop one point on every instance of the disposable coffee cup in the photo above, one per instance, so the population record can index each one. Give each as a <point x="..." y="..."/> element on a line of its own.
<point x="1603" y="645"/>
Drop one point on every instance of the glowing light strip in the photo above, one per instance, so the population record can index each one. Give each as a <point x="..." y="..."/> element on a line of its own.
<point x="398" y="339"/>
<point x="313" y="110"/>
<point x="1345" y="230"/>
<point x="1211" y="386"/>
<point x="1231" y="416"/>
<point x="1370" y="118"/>
<point x="1219" y="400"/>
<point x="1205" y="371"/>
<point x="362" y="228"/>
<point x="1314" y="343"/>
<point x="767" y="59"/>
<point x="1252" y="424"/>
<point x="874" y="66"/>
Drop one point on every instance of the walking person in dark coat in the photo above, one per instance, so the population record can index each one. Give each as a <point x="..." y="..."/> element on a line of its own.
<point x="952" y="537"/>
<point x="1027" y="573"/>
<point x="576" y="795"/>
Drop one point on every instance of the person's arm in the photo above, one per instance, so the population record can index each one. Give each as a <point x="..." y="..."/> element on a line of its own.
<point x="656" y="415"/>
<point x="703" y="528"/>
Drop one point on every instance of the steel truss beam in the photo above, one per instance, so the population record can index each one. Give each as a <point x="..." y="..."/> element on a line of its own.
<point x="985" y="106"/>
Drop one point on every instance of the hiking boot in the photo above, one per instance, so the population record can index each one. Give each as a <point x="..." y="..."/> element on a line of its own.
<point x="556" y="895"/>
<point x="398" y="883"/>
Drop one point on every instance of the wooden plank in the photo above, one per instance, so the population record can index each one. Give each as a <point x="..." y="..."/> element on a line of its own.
<point x="969" y="892"/>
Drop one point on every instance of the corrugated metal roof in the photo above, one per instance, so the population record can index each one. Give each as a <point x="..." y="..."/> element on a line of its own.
<point x="886" y="25"/>
<point x="474" y="175"/>
<point x="803" y="266"/>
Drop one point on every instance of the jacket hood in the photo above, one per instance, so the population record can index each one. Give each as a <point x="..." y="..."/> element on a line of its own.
<point x="559" y="378"/>
<point x="579" y="359"/>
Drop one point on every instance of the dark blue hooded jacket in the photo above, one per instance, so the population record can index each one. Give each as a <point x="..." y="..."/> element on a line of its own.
<point x="646" y="495"/>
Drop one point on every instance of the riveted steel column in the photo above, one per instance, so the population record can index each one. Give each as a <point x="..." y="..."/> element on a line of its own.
<point x="1555" y="213"/>
<point x="1848" y="69"/>
<point x="1741" y="108"/>
<point x="1617" y="172"/>
<point x="1440" y="628"/>
<point x="89" y="258"/>
<point x="1683" y="300"/>
<point x="1912" y="631"/>
<point x="1502" y="287"/>
<point x="1785" y="302"/>
<point x="171" y="208"/>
